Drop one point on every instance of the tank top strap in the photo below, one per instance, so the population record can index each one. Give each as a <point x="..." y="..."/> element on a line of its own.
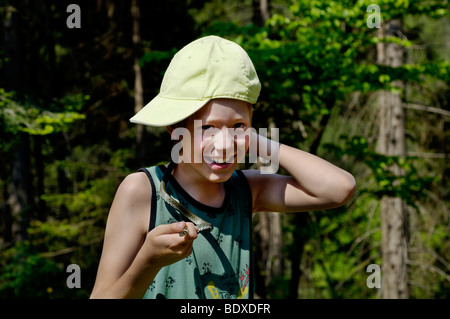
<point x="155" y="175"/>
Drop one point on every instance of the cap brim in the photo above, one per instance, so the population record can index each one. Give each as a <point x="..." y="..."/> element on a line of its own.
<point x="163" y="111"/>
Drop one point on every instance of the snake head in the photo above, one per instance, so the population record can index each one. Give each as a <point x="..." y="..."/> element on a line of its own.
<point x="204" y="227"/>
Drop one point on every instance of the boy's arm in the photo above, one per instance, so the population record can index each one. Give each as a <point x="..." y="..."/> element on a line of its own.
<point x="313" y="183"/>
<point x="132" y="256"/>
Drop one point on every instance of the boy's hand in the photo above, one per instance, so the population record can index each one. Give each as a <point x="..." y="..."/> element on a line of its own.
<point x="166" y="246"/>
<point x="267" y="150"/>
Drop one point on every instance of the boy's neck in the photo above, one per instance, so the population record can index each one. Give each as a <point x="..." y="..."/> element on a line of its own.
<point x="198" y="187"/>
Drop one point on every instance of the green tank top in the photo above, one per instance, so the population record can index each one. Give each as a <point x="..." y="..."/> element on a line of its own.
<point x="221" y="263"/>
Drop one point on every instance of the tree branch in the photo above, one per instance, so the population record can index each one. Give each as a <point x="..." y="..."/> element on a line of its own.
<point x="426" y="108"/>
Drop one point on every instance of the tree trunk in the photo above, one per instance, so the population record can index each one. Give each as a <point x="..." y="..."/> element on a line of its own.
<point x="40" y="176"/>
<point x="301" y="220"/>
<point x="269" y="249"/>
<point x="261" y="12"/>
<point x="300" y="236"/>
<point x="138" y="86"/>
<point x="260" y="235"/>
<point x="391" y="142"/>
<point x="20" y="198"/>
<point x="268" y="253"/>
<point x="269" y="224"/>
<point x="274" y="262"/>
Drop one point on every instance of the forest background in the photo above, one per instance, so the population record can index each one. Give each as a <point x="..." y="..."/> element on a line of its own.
<point x="374" y="101"/>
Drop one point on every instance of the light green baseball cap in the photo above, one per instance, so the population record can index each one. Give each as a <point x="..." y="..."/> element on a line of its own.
<point x="207" y="68"/>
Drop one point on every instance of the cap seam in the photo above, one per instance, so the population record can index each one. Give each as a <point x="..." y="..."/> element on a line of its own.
<point x="242" y="96"/>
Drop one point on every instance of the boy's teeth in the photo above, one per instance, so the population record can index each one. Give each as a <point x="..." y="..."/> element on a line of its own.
<point x="220" y="161"/>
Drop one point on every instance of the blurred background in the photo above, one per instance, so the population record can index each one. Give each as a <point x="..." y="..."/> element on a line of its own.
<point x="374" y="101"/>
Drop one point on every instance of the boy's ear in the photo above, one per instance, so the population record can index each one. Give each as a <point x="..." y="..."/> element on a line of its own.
<point x="170" y="129"/>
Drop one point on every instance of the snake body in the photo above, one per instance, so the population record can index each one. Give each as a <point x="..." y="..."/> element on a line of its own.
<point x="201" y="224"/>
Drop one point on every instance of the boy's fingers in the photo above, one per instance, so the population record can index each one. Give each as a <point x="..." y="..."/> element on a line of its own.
<point x="170" y="228"/>
<point x="189" y="231"/>
<point x="184" y="229"/>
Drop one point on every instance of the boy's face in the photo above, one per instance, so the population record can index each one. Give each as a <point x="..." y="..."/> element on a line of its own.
<point x="219" y="138"/>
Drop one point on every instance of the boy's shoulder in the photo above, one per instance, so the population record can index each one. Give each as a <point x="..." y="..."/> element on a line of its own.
<point x="136" y="187"/>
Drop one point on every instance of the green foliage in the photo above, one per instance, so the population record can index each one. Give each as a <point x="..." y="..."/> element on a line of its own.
<point x="156" y="56"/>
<point x="385" y="170"/>
<point x="37" y="121"/>
<point x="31" y="276"/>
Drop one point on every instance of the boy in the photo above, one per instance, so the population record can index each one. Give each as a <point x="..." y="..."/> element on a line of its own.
<point x="183" y="230"/>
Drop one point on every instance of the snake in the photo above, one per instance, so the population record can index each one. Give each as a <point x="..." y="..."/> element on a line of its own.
<point x="201" y="224"/>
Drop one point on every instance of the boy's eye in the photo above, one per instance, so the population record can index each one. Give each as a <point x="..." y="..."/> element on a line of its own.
<point x="239" y="125"/>
<point x="206" y="127"/>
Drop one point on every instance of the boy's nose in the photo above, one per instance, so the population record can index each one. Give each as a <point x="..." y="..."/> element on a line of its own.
<point x="224" y="142"/>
